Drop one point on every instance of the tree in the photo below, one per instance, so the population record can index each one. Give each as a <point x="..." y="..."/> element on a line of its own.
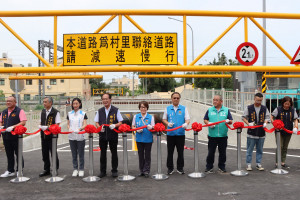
<point x="213" y="82"/>
<point x="98" y="84"/>
<point x="159" y="84"/>
<point x="216" y="82"/>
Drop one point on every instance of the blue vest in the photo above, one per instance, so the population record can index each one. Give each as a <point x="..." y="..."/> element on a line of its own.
<point x="13" y="119"/>
<point x="260" y="132"/>
<point x="177" y="118"/>
<point x="146" y="135"/>
<point x="221" y="129"/>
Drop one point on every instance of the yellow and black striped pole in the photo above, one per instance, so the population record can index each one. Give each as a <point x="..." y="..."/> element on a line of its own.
<point x="264" y="84"/>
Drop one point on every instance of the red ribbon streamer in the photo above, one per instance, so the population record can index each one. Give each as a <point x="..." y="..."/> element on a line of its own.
<point x="188" y="148"/>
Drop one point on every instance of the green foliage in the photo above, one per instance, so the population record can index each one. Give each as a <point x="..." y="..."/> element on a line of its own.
<point x="1" y="93"/>
<point x="98" y="84"/>
<point x="213" y="82"/>
<point x="160" y="84"/>
<point x="39" y="107"/>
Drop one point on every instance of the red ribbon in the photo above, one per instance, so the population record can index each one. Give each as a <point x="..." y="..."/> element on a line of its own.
<point x="243" y="127"/>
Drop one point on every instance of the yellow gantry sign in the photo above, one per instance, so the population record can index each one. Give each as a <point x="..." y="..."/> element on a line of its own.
<point x="120" y="49"/>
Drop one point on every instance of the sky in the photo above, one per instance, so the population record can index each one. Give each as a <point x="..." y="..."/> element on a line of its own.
<point x="205" y="29"/>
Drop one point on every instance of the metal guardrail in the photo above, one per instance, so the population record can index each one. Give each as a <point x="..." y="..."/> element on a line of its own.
<point x="235" y="100"/>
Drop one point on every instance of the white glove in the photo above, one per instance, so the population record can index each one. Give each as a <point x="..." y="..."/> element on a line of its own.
<point x="149" y="127"/>
<point x="295" y="131"/>
<point x="112" y="126"/>
<point x="227" y="121"/>
<point x="76" y="131"/>
<point x="9" y="129"/>
<point x="1" y="127"/>
<point x="213" y="126"/>
<point x="43" y="127"/>
<point x="264" y="125"/>
<point x="140" y="130"/>
<point x="251" y="124"/>
<point x="184" y="126"/>
<point x="102" y="129"/>
<point x="170" y="124"/>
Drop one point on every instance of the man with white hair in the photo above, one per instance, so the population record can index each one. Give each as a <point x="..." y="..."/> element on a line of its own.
<point x="10" y="118"/>
<point x="49" y="116"/>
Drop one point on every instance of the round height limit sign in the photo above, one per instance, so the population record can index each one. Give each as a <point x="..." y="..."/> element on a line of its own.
<point x="247" y="53"/>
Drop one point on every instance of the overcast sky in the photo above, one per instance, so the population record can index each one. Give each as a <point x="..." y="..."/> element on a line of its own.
<point x="206" y="29"/>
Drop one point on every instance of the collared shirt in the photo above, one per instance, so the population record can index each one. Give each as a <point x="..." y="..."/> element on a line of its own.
<point x="57" y="117"/>
<point x="186" y="115"/>
<point x="119" y="116"/>
<point x="22" y="115"/>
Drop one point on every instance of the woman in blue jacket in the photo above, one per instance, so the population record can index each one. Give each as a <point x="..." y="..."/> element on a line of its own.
<point x="144" y="138"/>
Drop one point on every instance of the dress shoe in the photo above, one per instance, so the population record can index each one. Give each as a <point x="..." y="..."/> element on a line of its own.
<point x="146" y="175"/>
<point x="141" y="174"/>
<point x="114" y="174"/>
<point x="102" y="174"/>
<point x="44" y="173"/>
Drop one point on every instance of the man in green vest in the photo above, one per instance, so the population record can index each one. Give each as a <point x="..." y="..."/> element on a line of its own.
<point x="217" y="134"/>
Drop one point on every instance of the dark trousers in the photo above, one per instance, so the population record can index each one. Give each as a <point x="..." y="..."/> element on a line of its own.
<point x="114" y="155"/>
<point x="213" y="142"/>
<point x="46" y="148"/>
<point x="178" y="142"/>
<point x="77" y="149"/>
<point x="284" y="143"/>
<point x="11" y="148"/>
<point x="144" y="151"/>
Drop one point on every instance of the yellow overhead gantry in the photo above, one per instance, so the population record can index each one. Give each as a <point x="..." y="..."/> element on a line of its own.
<point x="183" y="13"/>
<point x="282" y="76"/>
<point x="155" y="68"/>
<point x="55" y="77"/>
<point x="186" y="76"/>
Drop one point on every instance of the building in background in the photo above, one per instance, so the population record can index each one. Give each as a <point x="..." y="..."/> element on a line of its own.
<point x="53" y="87"/>
<point x="125" y="82"/>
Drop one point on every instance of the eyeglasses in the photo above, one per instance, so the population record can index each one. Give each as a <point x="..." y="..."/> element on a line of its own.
<point x="142" y="107"/>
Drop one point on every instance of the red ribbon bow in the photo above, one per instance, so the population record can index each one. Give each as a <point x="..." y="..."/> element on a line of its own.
<point x="124" y="128"/>
<point x="54" y="129"/>
<point x="197" y="127"/>
<point x="90" y="128"/>
<point x="237" y="125"/>
<point x="278" y="124"/>
<point x="159" y="127"/>
<point x="19" y="130"/>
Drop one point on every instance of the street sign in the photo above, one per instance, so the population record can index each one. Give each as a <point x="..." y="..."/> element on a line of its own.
<point x="21" y="85"/>
<point x="120" y="49"/>
<point x="296" y="58"/>
<point x="247" y="53"/>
